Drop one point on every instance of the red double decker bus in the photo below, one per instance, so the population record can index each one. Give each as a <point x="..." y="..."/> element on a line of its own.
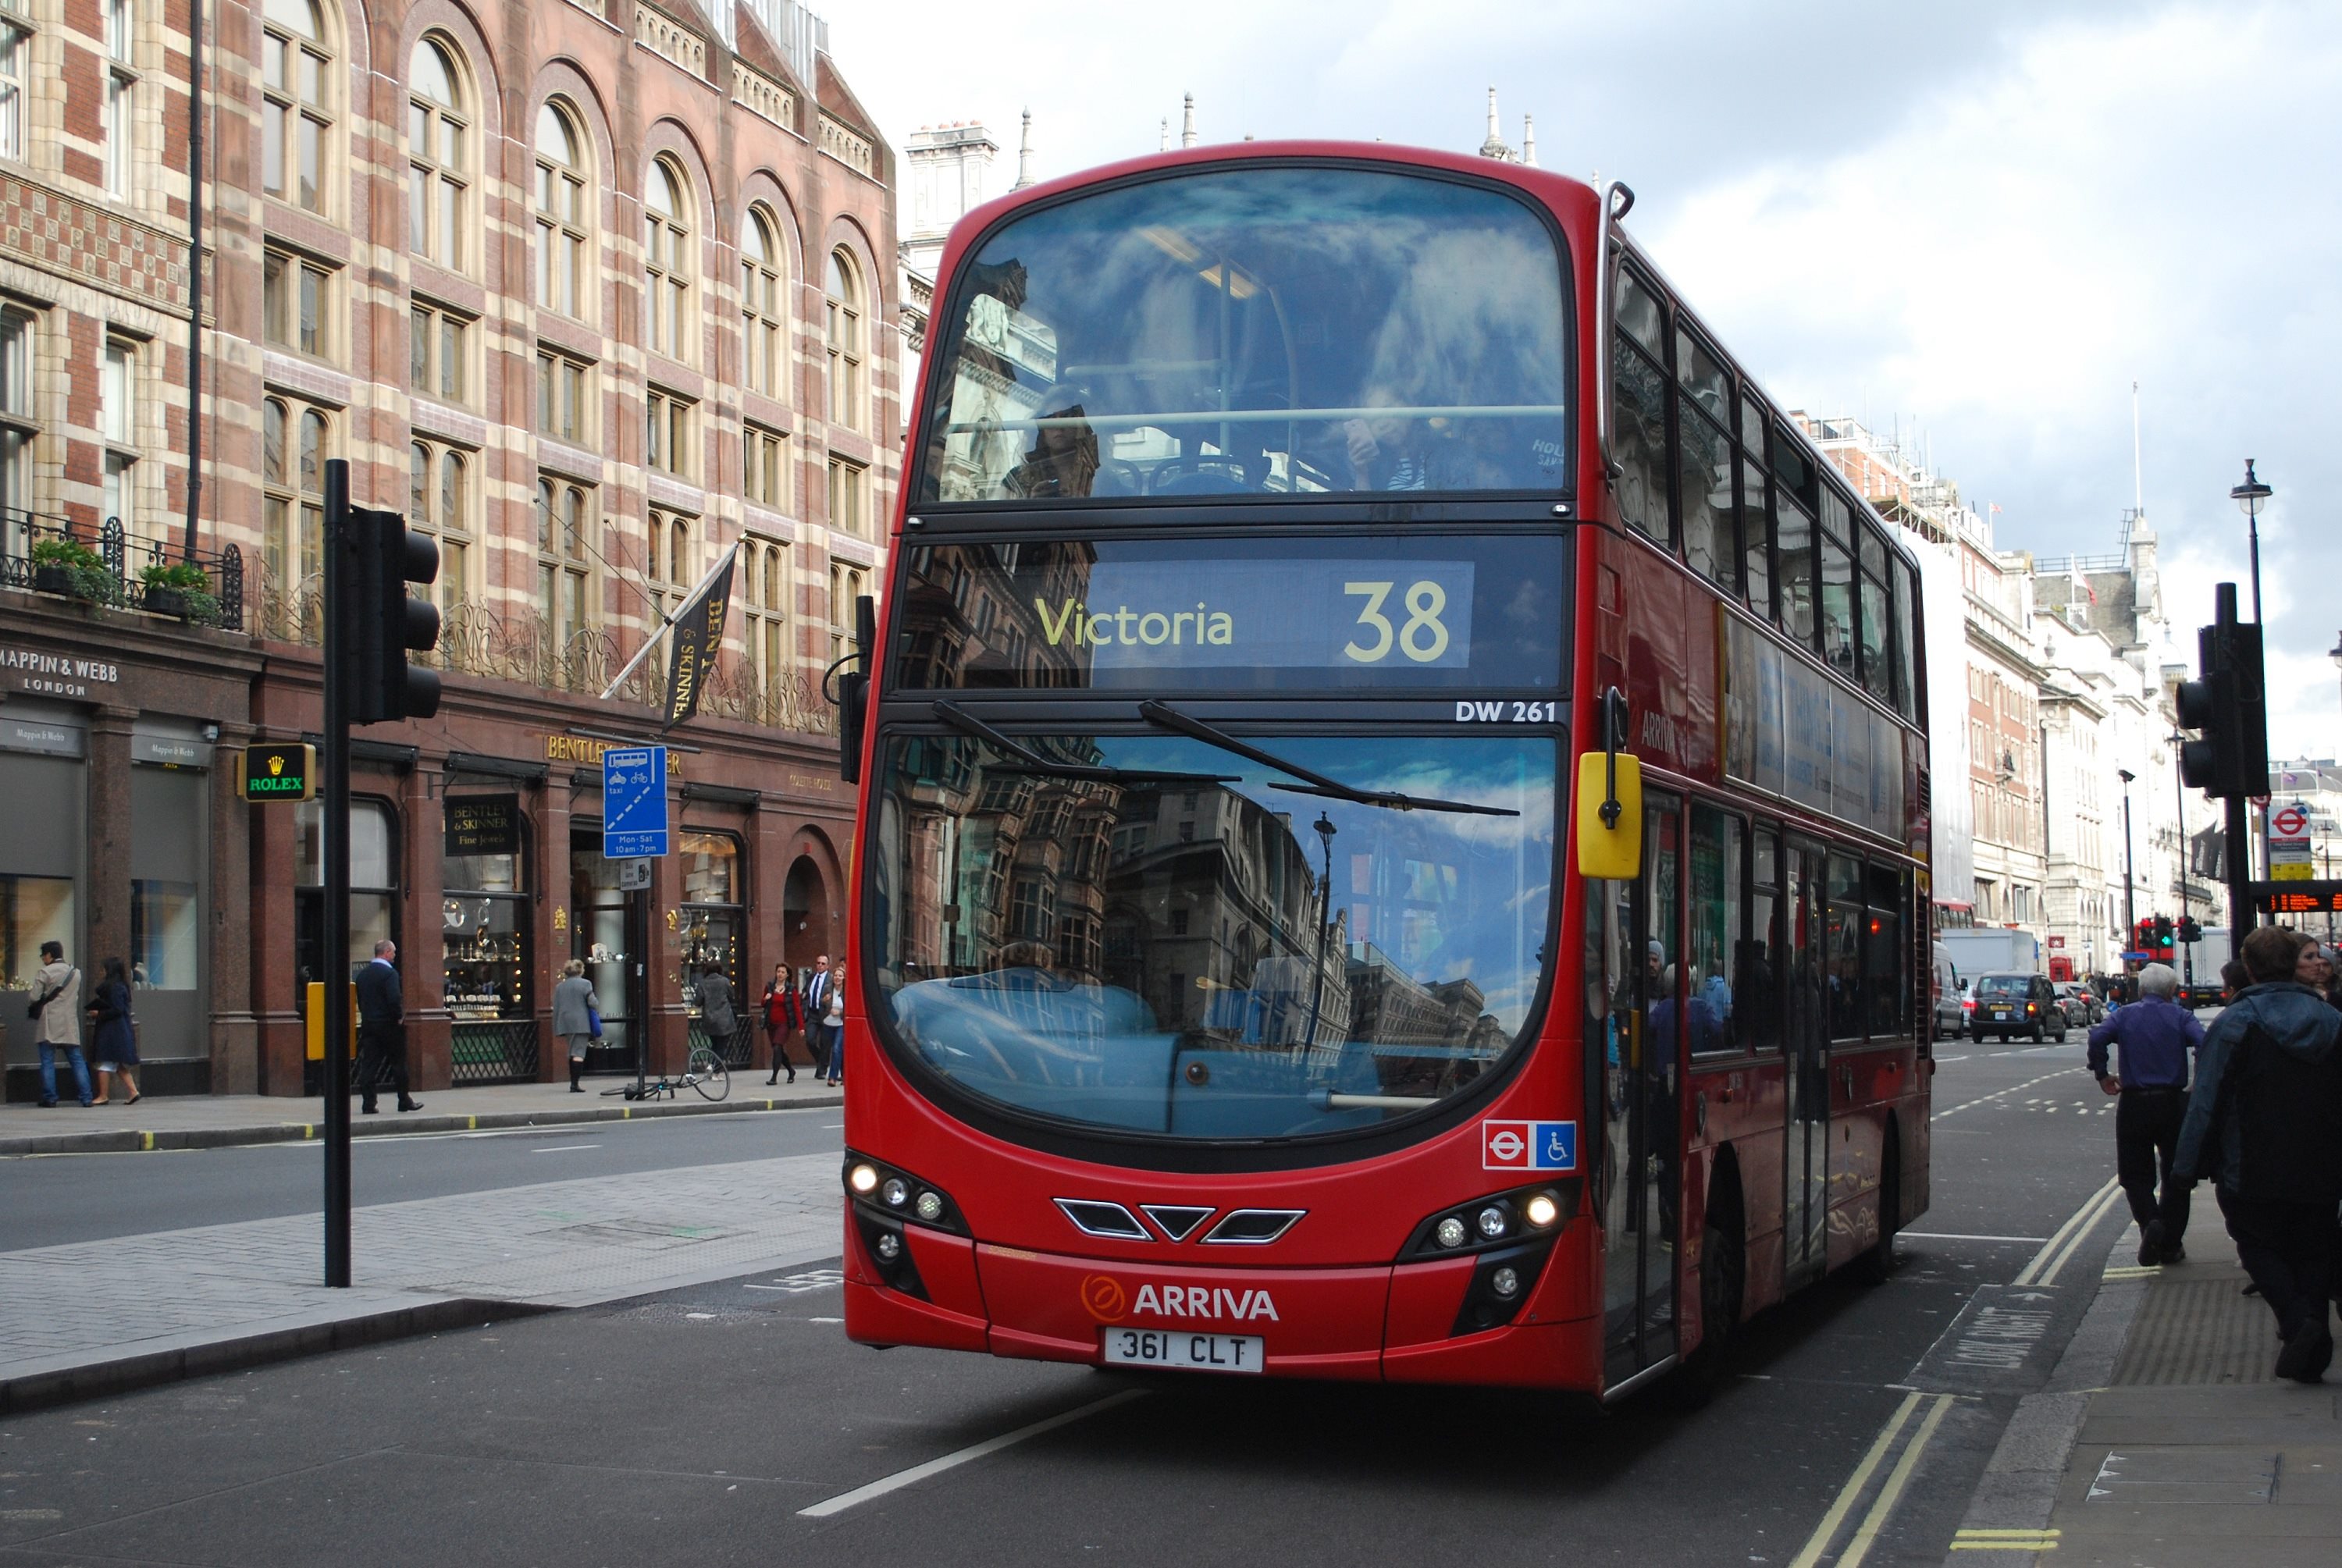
<point x="1394" y="840"/>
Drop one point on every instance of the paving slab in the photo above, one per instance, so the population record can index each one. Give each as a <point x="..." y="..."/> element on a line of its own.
<point x="100" y="1316"/>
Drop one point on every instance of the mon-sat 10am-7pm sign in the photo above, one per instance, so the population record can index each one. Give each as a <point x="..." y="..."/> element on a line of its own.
<point x="275" y="771"/>
<point x="634" y="803"/>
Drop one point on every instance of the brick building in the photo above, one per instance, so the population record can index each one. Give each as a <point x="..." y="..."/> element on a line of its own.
<point x="593" y="290"/>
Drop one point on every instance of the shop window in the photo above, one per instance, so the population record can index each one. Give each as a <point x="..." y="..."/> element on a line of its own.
<point x="712" y="927"/>
<point x="164" y="931"/>
<point x="484" y="928"/>
<point x="33" y="909"/>
<point x="1716" y="927"/>
<point x="374" y="887"/>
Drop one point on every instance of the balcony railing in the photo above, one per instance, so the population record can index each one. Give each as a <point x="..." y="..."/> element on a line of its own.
<point x="103" y="567"/>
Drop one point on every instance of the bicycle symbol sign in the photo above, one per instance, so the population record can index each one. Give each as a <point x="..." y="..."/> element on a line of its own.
<point x="634" y="803"/>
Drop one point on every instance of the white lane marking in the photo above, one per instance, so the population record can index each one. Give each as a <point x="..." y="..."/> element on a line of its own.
<point x="1956" y="1236"/>
<point x="2003" y="1093"/>
<point x="564" y="1148"/>
<point x="1961" y="1057"/>
<point x="833" y="1126"/>
<point x="2076" y="1225"/>
<point x="918" y="1472"/>
<point x="1892" y="1492"/>
<point x="1827" y="1531"/>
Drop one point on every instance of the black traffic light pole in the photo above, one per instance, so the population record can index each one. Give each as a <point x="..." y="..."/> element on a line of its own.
<point x="371" y="624"/>
<point x="340" y="563"/>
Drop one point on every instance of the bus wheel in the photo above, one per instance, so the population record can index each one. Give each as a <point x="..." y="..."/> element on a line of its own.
<point x="1723" y="1275"/>
<point x="1874" y="1266"/>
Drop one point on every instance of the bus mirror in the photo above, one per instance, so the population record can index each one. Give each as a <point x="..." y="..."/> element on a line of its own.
<point x="853" y="704"/>
<point x="1607" y="852"/>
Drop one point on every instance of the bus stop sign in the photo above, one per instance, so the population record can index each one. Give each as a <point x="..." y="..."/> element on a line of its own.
<point x="634" y="803"/>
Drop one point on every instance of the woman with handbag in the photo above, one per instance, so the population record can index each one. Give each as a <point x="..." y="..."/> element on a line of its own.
<point x="115" y="1047"/>
<point x="784" y="1015"/>
<point x="575" y="1019"/>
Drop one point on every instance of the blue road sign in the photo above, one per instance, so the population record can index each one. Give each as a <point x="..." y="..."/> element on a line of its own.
<point x="634" y="803"/>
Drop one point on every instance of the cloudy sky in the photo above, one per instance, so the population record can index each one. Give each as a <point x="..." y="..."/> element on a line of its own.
<point x="1980" y="221"/>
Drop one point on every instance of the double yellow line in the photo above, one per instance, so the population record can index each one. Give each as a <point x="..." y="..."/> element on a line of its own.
<point x="2006" y="1541"/>
<point x="2068" y="1238"/>
<point x="1890" y="1490"/>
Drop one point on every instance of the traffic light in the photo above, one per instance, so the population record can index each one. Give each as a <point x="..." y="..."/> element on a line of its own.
<point x="2189" y="930"/>
<point x="2228" y="706"/>
<point x="383" y="624"/>
<point x="2163" y="930"/>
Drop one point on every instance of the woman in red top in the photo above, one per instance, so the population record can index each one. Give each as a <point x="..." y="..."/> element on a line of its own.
<point x="783" y="1016"/>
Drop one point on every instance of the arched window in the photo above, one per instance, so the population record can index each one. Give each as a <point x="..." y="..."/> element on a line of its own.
<point x="292" y="451"/>
<point x="564" y="525"/>
<point x="842" y="287"/>
<point x="764" y="305"/>
<point x="438" y="504"/>
<point x="765" y="567"/>
<point x="563" y="280"/>
<point x="438" y="132"/>
<point x="297" y="94"/>
<point x="666" y="260"/>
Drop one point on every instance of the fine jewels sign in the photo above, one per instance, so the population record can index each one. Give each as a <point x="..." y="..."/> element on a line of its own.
<point x="484" y="824"/>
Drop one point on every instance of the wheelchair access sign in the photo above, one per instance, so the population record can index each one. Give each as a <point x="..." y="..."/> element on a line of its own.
<point x="1528" y="1145"/>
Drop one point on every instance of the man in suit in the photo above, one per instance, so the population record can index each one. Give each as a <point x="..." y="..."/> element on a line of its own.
<point x="382" y="1032"/>
<point x="816" y="1004"/>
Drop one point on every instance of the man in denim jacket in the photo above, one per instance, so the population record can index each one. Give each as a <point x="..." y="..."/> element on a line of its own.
<point x="2265" y="1122"/>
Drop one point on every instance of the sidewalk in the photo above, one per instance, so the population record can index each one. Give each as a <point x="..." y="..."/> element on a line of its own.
<point x="2190" y="1453"/>
<point x="217" y="1121"/>
<point x="91" y="1318"/>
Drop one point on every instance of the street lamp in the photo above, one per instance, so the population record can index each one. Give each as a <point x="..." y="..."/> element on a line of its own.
<point x="1326" y="830"/>
<point x="2130" y="898"/>
<point x="2253" y="495"/>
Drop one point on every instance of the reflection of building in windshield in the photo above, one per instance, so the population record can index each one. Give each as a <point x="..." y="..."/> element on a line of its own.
<point x="965" y="624"/>
<point x="1449" y="1035"/>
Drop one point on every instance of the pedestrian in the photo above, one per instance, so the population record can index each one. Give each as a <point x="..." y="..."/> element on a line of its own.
<point x="2159" y="1039"/>
<point x="115" y="1041"/>
<point x="574" y="1019"/>
<point x="2265" y="1122"/>
<point x="715" y="1011"/>
<point x="2233" y="979"/>
<point x="832" y="1025"/>
<point x="382" y="1029"/>
<point x="784" y="1015"/>
<point x="2315" y="969"/>
<point x="818" y="986"/>
<point x="55" y="1008"/>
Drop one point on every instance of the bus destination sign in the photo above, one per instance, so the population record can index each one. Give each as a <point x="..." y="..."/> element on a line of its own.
<point x="277" y="772"/>
<point x="1300" y="614"/>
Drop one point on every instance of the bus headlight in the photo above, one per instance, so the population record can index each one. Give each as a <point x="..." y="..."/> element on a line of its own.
<point x="896" y="1192"/>
<point x="878" y="1188"/>
<point x="1450" y="1231"/>
<point x="861" y="1178"/>
<point x="930" y="1206"/>
<point x="1542" y="1211"/>
<point x="1506" y="1282"/>
<point x="1497" y="1220"/>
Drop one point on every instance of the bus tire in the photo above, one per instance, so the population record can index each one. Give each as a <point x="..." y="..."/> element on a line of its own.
<point x="1723" y="1285"/>
<point x="1875" y="1266"/>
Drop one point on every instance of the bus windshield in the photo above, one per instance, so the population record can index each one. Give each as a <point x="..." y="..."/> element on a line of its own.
<point x="1153" y="935"/>
<point x="1265" y="330"/>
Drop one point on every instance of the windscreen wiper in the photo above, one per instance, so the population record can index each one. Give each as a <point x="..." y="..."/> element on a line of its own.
<point x="1164" y="716"/>
<point x="968" y="723"/>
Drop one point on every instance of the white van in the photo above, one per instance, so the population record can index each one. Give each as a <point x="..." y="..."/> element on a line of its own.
<point x="1947" y="996"/>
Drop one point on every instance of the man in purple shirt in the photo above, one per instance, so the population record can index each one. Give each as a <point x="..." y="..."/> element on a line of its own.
<point x="2157" y="1037"/>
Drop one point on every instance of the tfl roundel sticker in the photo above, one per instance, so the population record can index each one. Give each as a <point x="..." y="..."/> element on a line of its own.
<point x="1104" y="1297"/>
<point x="1528" y="1145"/>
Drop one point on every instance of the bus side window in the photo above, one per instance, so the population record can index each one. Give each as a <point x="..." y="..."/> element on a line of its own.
<point x="1717" y="840"/>
<point x="1638" y="410"/>
<point x="1761" y="956"/>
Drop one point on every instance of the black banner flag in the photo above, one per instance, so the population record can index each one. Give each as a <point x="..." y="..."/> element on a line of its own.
<point x="698" y="640"/>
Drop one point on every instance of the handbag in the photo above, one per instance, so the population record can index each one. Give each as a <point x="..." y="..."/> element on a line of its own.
<point x="593" y="1020"/>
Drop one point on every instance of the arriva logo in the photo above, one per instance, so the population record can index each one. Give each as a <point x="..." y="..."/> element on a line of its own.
<point x="1196" y="1301"/>
<point x="1106" y="1299"/>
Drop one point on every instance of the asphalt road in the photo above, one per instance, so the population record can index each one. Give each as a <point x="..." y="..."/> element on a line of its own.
<point x="694" y="1428"/>
<point x="55" y="1199"/>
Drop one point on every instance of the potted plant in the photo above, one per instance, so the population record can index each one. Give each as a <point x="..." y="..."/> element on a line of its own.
<point x="69" y="567"/>
<point x="179" y="588"/>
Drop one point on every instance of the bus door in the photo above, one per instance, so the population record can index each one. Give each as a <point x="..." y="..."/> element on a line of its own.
<point x="1643" y="1124"/>
<point x="1805" y="1210"/>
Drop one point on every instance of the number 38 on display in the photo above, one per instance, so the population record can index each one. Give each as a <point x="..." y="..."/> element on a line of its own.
<point x="1422" y="636"/>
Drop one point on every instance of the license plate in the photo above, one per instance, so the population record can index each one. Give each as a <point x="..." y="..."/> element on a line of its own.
<point x="1185" y="1351"/>
<point x="2000" y="1012"/>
